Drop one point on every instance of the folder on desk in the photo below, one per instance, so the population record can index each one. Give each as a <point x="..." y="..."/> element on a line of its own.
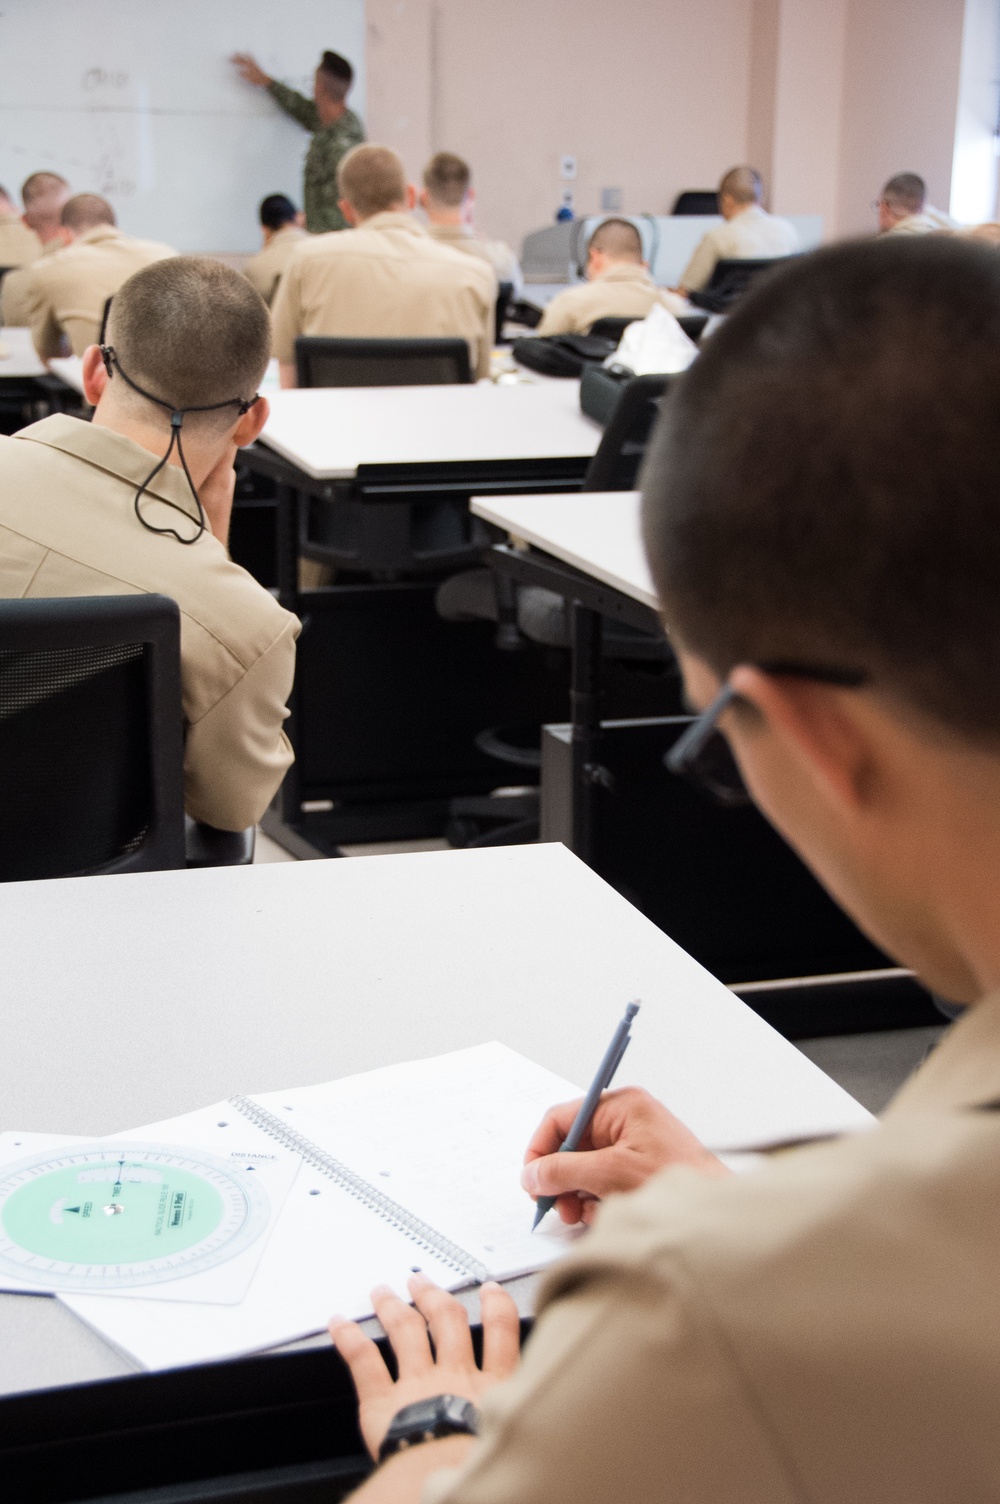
<point x="414" y="1166"/>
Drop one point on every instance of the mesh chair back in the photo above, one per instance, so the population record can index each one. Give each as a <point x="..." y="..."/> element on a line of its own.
<point x="696" y="201"/>
<point x="91" y="736"/>
<point x="381" y="362"/>
<point x="615" y="466"/>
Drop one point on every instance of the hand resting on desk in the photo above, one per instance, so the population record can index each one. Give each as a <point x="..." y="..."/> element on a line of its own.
<point x="631" y="1138"/>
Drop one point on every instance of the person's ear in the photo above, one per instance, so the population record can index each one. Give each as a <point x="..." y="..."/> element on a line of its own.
<point x="422" y="199"/>
<point x="300" y="220"/>
<point x="251" y="423"/>
<point x="817" y="725"/>
<point x="595" y="262"/>
<point x="94" y="374"/>
<point x="348" y="210"/>
<point x="411" y="196"/>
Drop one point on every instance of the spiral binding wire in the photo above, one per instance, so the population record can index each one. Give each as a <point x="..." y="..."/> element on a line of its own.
<point x="390" y="1211"/>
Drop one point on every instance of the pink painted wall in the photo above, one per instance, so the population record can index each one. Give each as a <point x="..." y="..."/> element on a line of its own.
<point x="827" y="97"/>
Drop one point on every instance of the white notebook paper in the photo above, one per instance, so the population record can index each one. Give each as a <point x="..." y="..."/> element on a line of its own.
<point x="414" y="1166"/>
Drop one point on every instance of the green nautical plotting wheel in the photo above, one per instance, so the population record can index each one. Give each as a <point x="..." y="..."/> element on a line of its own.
<point x="109" y="1216"/>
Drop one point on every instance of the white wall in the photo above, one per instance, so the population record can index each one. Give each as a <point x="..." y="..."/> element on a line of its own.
<point x="974" y="163"/>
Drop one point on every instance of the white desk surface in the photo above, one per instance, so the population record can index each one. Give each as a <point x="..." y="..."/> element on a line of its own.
<point x="597" y="532"/>
<point x="134" y="998"/>
<point x="329" y="431"/>
<point x="17" y="354"/>
<point x="69" y="369"/>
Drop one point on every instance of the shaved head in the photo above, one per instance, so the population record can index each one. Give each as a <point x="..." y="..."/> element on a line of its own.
<point x="193" y="332"/>
<point x="85" y="211"/>
<point x="618" y="239"/>
<point x="372" y="179"/>
<point x="447" y="179"/>
<point x="744" y="185"/>
<point x="906" y="191"/>
<point x="43" y="195"/>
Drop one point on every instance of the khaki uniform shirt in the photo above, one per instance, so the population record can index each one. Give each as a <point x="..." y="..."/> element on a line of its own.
<point x="18" y="245"/>
<point x="67" y="527"/>
<point x="15" y="291"/>
<point x="320" y="194"/>
<point x="623" y="291"/>
<point x="927" y="222"/>
<point x="387" y="278"/>
<point x="753" y="233"/>
<point x="68" y="290"/>
<point x="265" y="270"/>
<point x="823" y="1331"/>
<point x="497" y="252"/>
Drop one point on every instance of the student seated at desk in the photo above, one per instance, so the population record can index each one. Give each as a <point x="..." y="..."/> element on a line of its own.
<point x="91" y="509"/>
<point x="448" y="198"/>
<point x="67" y="291"/>
<point x="43" y="195"/>
<point x="618" y="284"/>
<point x="903" y="208"/>
<point x="386" y="276"/>
<point x="749" y="231"/>
<point x="824" y="1328"/>
<point x="19" y="246"/>
<point x="281" y="231"/>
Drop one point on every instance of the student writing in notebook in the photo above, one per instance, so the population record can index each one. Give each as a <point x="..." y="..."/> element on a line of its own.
<point x="821" y="519"/>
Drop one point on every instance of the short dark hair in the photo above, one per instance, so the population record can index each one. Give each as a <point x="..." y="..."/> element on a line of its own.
<point x="193" y="332"/>
<point x="447" y="178"/>
<point x="276" y="210"/>
<point x="338" y="75"/>
<point x="823" y="484"/>
<point x="618" y="238"/>
<point x="85" y="211"/>
<point x="907" y="190"/>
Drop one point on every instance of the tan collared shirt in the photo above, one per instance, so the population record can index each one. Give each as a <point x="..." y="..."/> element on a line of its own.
<point x="497" y="252"/>
<point x="19" y="246"/>
<point x="929" y="221"/>
<point x="67" y="527"/>
<point x="623" y="291"/>
<point x="266" y="269"/>
<point x="751" y="234"/>
<point x="823" y="1331"/>
<point x="15" y="298"/>
<point x="67" y="291"/>
<point x="386" y="278"/>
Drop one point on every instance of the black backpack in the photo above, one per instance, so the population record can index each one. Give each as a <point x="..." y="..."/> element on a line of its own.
<point x="562" y="354"/>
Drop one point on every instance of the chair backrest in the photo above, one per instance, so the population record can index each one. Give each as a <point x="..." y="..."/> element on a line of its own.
<point x="91" y="736"/>
<point x="738" y="273"/>
<point x="693" y="324"/>
<point x="615" y="465"/>
<point x="322" y="361"/>
<point x="505" y="292"/>
<point x="696" y="201"/>
<point x="614" y="326"/>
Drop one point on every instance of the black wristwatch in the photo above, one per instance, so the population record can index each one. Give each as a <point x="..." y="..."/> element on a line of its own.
<point x="444" y="1415"/>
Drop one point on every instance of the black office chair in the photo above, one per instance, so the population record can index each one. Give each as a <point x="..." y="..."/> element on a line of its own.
<point x="92" y="741"/>
<point x="381" y="362"/>
<point x="505" y="294"/>
<point x="730" y="280"/>
<point x="614" y="326"/>
<point x="696" y="201"/>
<point x="693" y="325"/>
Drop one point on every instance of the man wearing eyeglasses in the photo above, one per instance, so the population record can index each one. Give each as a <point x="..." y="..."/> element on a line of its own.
<point x="822" y="523"/>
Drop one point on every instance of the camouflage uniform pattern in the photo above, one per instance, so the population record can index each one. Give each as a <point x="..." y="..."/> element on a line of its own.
<point x="330" y="143"/>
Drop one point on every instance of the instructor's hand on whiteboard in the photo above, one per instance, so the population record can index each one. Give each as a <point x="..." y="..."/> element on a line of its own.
<point x="447" y="1368"/>
<point x="250" y="70"/>
<point x="631" y="1138"/>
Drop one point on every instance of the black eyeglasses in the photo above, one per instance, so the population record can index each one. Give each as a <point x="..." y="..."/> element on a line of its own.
<point x="702" y="754"/>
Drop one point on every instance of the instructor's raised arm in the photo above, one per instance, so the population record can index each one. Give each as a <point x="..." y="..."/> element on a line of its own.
<point x="250" y="70"/>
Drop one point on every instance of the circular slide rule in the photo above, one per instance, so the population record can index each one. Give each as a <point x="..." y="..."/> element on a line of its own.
<point x="109" y="1216"/>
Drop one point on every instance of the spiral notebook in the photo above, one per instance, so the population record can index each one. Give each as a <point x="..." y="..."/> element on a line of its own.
<point x="415" y="1166"/>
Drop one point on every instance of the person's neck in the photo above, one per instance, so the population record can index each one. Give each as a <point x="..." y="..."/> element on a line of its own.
<point x="330" y="111"/>
<point x="201" y="455"/>
<point x="436" y="215"/>
<point x="389" y="209"/>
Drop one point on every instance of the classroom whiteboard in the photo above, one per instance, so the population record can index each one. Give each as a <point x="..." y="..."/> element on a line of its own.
<point x="137" y="100"/>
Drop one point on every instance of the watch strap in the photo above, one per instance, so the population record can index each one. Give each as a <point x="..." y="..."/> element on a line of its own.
<point x="428" y="1420"/>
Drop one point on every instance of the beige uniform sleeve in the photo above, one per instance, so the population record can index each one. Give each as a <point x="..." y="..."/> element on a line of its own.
<point x="698" y="272"/>
<point x="236" y="755"/>
<point x="46" y="333"/>
<point x="286" y="317"/>
<point x="560" y="317"/>
<point x="15" y="302"/>
<point x="627" y="1392"/>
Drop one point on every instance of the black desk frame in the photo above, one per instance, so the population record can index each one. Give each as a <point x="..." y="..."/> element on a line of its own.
<point x="375" y="485"/>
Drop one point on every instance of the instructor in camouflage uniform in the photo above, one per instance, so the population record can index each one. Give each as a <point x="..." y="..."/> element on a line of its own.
<point x="335" y="129"/>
